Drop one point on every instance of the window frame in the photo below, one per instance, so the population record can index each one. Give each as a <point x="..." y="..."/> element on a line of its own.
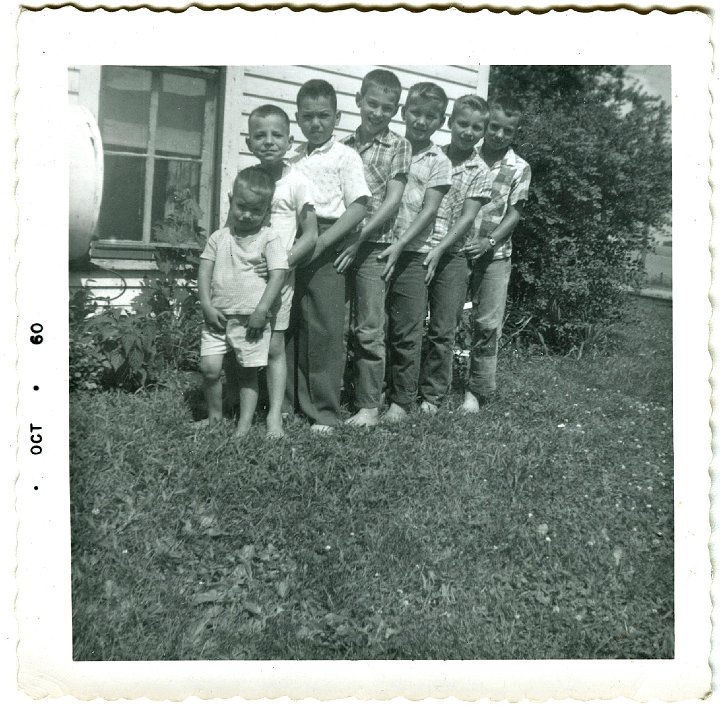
<point x="132" y="249"/>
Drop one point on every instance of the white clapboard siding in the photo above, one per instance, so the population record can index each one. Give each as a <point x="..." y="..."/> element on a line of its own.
<point x="280" y="84"/>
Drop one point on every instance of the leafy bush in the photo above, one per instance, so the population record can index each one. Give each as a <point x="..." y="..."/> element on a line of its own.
<point x="129" y="350"/>
<point x="600" y="153"/>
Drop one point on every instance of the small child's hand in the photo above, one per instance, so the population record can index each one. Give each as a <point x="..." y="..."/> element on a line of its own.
<point x="431" y="262"/>
<point x="391" y="254"/>
<point x="214" y="318"/>
<point x="346" y="258"/>
<point x="256" y="324"/>
<point x="261" y="268"/>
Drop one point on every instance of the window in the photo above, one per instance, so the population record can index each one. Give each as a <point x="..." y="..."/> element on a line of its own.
<point x="158" y="132"/>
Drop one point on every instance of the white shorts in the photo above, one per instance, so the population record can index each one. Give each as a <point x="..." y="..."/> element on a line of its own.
<point x="250" y="353"/>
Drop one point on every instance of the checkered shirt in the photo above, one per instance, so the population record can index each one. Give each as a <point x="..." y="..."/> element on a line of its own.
<point x="385" y="157"/>
<point x="429" y="168"/>
<point x="470" y="180"/>
<point x="336" y="176"/>
<point x="511" y="184"/>
<point x="235" y="287"/>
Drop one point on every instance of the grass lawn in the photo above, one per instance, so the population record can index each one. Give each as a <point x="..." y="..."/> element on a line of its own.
<point x="542" y="528"/>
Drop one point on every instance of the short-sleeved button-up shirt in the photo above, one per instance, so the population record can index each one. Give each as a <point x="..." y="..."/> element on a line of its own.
<point x="428" y="169"/>
<point x="470" y="180"/>
<point x="336" y="176"/>
<point x="385" y="157"/>
<point x="510" y="184"/>
<point x="235" y="287"/>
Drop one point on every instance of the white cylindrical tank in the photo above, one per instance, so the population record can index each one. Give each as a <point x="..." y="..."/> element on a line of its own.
<point x="86" y="179"/>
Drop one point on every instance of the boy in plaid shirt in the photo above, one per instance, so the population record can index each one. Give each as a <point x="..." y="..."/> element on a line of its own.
<point x="428" y="181"/>
<point x="386" y="158"/>
<point x="447" y="269"/>
<point x="491" y="248"/>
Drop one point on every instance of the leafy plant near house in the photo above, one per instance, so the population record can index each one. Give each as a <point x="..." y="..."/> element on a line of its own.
<point x="180" y="225"/>
<point x="600" y="152"/>
<point x="128" y="350"/>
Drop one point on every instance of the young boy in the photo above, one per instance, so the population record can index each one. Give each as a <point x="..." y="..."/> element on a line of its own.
<point x="491" y="248"/>
<point x="447" y="269"/>
<point x="292" y="206"/>
<point x="316" y="351"/>
<point x="386" y="158"/>
<point x="428" y="180"/>
<point x="235" y="300"/>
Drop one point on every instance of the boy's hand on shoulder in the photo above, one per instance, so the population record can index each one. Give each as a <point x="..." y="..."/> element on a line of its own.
<point x="214" y="318"/>
<point x="261" y="268"/>
<point x="346" y="258"/>
<point x="390" y="255"/>
<point x="256" y="324"/>
<point x="431" y="262"/>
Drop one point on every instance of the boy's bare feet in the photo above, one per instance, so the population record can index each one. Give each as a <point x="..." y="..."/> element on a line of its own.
<point x="394" y="413"/>
<point x="364" y="417"/>
<point x="321" y="429"/>
<point x="274" y="428"/>
<point x="471" y="405"/>
<point x="428" y="408"/>
<point x="242" y="430"/>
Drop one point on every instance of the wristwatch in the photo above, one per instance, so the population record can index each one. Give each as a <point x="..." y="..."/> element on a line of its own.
<point x="491" y="241"/>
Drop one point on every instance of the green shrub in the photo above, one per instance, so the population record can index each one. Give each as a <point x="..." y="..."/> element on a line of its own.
<point x="600" y="153"/>
<point x="128" y="350"/>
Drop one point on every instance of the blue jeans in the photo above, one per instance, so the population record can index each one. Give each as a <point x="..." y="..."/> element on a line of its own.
<point x="488" y="286"/>
<point x="446" y="296"/>
<point x="407" y="302"/>
<point x="368" y="325"/>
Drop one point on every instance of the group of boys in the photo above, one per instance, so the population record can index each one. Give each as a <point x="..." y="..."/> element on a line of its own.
<point x="350" y="242"/>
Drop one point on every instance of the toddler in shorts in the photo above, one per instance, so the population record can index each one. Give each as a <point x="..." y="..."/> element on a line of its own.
<point x="237" y="303"/>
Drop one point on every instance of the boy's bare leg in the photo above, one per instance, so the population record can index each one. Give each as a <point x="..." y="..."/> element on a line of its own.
<point x="248" y="399"/>
<point x="364" y="417"/>
<point x="470" y="404"/>
<point x="211" y="369"/>
<point x="276" y="374"/>
<point x="395" y="413"/>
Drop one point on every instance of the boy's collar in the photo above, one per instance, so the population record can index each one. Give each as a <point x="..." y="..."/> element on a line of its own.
<point x="382" y="137"/>
<point x="322" y="148"/>
<point x="473" y="159"/>
<point x="431" y="149"/>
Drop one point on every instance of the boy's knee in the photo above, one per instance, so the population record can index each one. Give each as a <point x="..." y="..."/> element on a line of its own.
<point x="277" y="345"/>
<point x="210" y="368"/>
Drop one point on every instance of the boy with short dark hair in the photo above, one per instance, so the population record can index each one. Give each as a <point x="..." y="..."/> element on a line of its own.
<point x="292" y="214"/>
<point x="491" y="248"/>
<point x="428" y="181"/>
<point x="235" y="300"/>
<point x="447" y="268"/>
<point x="316" y="351"/>
<point x="386" y="157"/>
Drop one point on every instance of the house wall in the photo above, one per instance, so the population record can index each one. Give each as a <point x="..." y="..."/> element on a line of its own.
<point x="280" y="84"/>
<point x="244" y="88"/>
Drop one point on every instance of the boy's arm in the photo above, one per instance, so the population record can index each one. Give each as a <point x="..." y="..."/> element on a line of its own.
<point x="387" y="210"/>
<point x="470" y="209"/>
<point x="258" y="319"/>
<point x="304" y="246"/>
<point x="479" y="246"/>
<point x="213" y="317"/>
<point x="431" y="204"/>
<point x="352" y="216"/>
